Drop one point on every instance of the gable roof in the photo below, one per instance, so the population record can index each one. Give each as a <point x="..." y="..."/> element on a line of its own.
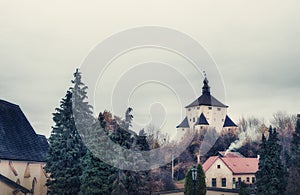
<point x="201" y="120"/>
<point x="207" y="164"/>
<point x="184" y="124"/>
<point x="18" y="140"/>
<point x="241" y="165"/>
<point x="229" y="154"/>
<point x="236" y="165"/>
<point x="228" y="122"/>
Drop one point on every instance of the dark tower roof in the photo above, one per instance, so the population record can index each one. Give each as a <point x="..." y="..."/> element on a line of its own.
<point x="18" y="140"/>
<point x="206" y="98"/>
<point x="184" y="124"/>
<point x="228" y="122"/>
<point x="201" y="120"/>
<point x="205" y="88"/>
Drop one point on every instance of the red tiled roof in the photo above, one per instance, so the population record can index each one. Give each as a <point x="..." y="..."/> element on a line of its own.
<point x="206" y="165"/>
<point x="236" y="165"/>
<point x="241" y="165"/>
<point x="230" y="154"/>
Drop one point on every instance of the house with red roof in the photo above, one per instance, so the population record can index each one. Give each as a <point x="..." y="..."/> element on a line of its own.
<point x="229" y="172"/>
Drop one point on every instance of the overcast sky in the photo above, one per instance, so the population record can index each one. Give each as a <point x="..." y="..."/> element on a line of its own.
<point x="255" y="45"/>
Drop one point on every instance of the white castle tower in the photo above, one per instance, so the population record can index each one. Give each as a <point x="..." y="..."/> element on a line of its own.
<point x="205" y="111"/>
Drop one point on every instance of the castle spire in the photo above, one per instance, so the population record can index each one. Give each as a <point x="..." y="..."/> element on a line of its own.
<point x="205" y="88"/>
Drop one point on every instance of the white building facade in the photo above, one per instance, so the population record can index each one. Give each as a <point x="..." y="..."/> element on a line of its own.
<point x="206" y="111"/>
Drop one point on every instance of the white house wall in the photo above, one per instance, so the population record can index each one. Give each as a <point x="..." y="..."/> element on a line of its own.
<point x="219" y="173"/>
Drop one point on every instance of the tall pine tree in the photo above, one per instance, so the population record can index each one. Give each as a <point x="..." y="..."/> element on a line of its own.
<point x="66" y="146"/>
<point x="63" y="159"/>
<point x="261" y="174"/>
<point x="97" y="175"/>
<point x="271" y="175"/>
<point x="293" y="186"/>
<point x="200" y="182"/>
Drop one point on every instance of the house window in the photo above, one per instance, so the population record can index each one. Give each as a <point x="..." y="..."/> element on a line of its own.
<point x="219" y="166"/>
<point x="209" y="108"/>
<point x="214" y="182"/>
<point x="233" y="180"/>
<point x="239" y="180"/>
<point x="253" y="179"/>
<point x="248" y="179"/>
<point x="189" y="109"/>
<point x="194" y="119"/>
<point x="182" y="129"/>
<point x="219" y="109"/>
<point x="198" y="108"/>
<point x="223" y="182"/>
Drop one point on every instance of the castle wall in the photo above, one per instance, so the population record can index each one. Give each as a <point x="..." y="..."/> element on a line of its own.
<point x="215" y="116"/>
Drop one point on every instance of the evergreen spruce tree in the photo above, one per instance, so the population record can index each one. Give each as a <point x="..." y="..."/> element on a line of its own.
<point x="261" y="174"/>
<point x="82" y="110"/>
<point x="200" y="185"/>
<point x="63" y="159"/>
<point x="295" y="146"/>
<point x="97" y="175"/>
<point x="189" y="183"/>
<point x="293" y="186"/>
<point x="278" y="181"/>
<point x="243" y="189"/>
<point x="271" y="174"/>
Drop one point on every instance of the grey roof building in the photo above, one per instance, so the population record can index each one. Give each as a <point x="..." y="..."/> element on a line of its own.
<point x="18" y="140"/>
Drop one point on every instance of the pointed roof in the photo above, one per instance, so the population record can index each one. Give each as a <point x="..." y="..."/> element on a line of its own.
<point x="184" y="124"/>
<point x="18" y="140"/>
<point x="228" y="122"/>
<point x="201" y="120"/>
<point x="206" y="98"/>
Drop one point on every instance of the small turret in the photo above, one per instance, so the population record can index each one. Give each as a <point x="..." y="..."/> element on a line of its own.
<point x="205" y="88"/>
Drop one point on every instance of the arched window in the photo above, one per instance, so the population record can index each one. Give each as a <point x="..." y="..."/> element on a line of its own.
<point x="34" y="181"/>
